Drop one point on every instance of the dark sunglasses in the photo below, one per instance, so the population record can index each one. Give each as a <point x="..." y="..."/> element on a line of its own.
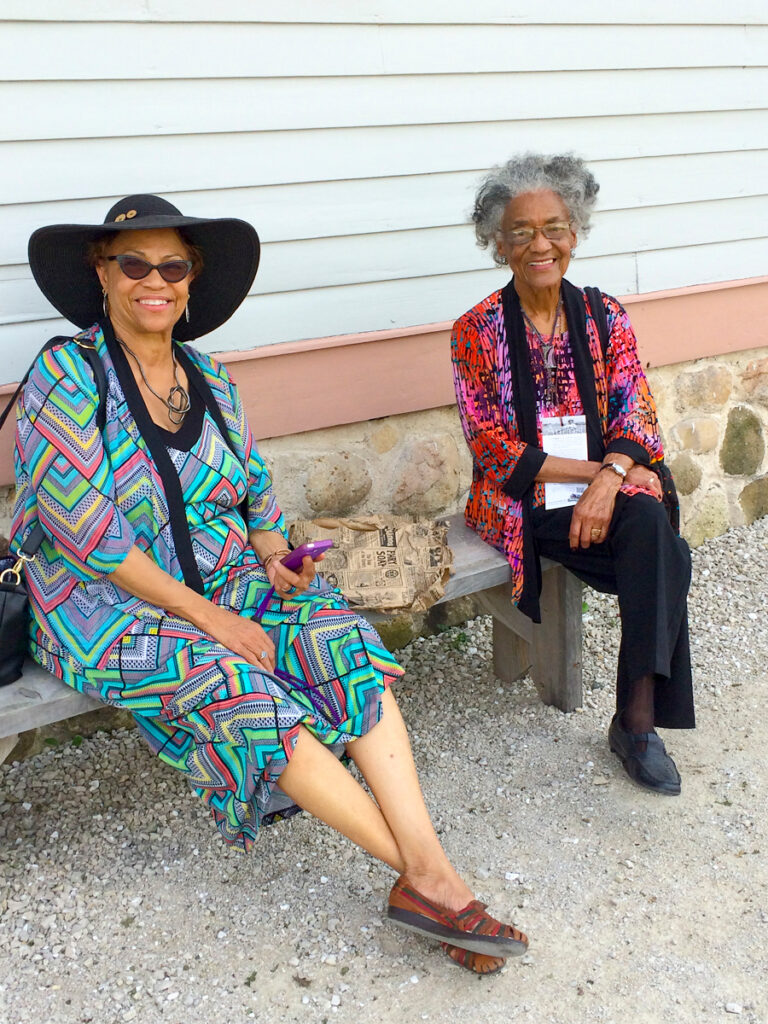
<point x="134" y="267"/>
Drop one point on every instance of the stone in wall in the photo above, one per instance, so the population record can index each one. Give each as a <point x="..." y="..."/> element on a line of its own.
<point x="709" y="519"/>
<point x="686" y="473"/>
<point x="7" y="495"/>
<point x="754" y="381"/>
<point x="708" y="389"/>
<point x="743" y="446"/>
<point x="699" y="434"/>
<point x="384" y="438"/>
<point x="337" y="483"/>
<point x="426" y="479"/>
<point x="754" y="499"/>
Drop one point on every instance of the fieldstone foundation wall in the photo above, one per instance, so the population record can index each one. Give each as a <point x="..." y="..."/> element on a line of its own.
<point x="713" y="414"/>
<point x="714" y="417"/>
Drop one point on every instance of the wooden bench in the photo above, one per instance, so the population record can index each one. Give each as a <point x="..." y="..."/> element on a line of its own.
<point x="552" y="651"/>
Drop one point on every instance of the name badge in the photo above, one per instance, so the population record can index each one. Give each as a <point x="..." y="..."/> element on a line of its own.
<point x="565" y="437"/>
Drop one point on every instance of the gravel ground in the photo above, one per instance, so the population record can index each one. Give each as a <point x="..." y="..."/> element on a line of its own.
<point x="120" y="903"/>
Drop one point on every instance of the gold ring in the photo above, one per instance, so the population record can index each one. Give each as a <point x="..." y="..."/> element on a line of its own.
<point x="596" y="532"/>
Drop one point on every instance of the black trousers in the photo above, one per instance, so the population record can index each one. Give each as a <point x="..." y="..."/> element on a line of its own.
<point x="649" y="567"/>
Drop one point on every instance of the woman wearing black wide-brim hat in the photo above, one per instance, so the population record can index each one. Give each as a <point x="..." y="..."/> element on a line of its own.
<point x="158" y="583"/>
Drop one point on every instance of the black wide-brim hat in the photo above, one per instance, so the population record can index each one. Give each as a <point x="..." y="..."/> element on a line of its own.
<point x="230" y="250"/>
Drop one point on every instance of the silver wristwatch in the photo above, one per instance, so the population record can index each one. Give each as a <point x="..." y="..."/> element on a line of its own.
<point x="617" y="469"/>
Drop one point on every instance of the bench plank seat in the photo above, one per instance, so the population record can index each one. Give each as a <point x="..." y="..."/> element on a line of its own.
<point x="552" y="651"/>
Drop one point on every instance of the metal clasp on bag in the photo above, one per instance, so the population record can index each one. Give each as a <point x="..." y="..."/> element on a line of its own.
<point x="13" y="575"/>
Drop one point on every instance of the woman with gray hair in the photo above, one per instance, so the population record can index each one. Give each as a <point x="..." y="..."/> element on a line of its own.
<point x="567" y="458"/>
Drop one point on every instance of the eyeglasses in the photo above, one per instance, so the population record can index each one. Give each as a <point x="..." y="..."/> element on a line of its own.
<point x="136" y="268"/>
<point x="522" y="236"/>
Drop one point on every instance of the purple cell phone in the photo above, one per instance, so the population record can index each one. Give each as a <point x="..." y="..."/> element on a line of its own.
<point x="314" y="548"/>
<point x="293" y="562"/>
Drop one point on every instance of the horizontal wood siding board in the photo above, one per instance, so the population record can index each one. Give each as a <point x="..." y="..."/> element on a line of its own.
<point x="307" y="210"/>
<point x="219" y="105"/>
<point x="87" y="51"/>
<point x="75" y="169"/>
<point x="504" y="12"/>
<point x="278" y="317"/>
<point x="343" y="380"/>
<point x="313" y="264"/>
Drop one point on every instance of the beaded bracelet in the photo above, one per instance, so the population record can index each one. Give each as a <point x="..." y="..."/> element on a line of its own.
<point x="273" y="555"/>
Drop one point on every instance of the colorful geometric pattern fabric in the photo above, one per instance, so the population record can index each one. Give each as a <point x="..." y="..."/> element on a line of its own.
<point x="227" y="725"/>
<point x="483" y="382"/>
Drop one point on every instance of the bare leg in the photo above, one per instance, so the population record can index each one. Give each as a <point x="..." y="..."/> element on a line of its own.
<point x="320" y="784"/>
<point x="384" y="757"/>
<point x="398" y="831"/>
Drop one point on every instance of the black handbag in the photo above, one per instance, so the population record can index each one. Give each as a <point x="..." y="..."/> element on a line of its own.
<point x="660" y="468"/>
<point x="14" y="612"/>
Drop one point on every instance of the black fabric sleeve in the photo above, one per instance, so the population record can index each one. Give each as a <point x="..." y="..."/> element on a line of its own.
<point x="524" y="473"/>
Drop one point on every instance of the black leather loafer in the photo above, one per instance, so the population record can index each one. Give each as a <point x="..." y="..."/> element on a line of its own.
<point x="651" y="768"/>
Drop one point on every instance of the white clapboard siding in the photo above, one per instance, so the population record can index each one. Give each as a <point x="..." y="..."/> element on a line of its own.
<point x="725" y="261"/>
<point x="353" y="133"/>
<point x="47" y="171"/>
<point x="87" y="51"/>
<point x="32" y="110"/>
<point x="370" y="205"/>
<point x="269" y="319"/>
<point x="503" y="12"/>
<point x="312" y="264"/>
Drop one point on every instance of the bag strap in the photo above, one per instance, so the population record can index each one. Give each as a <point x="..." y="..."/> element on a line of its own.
<point x="597" y="306"/>
<point x="31" y="545"/>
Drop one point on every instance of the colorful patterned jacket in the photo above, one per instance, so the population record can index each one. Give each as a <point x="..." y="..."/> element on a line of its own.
<point x="504" y="466"/>
<point x="98" y="494"/>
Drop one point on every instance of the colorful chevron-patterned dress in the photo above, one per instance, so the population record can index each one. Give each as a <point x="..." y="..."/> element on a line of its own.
<point x="227" y="725"/>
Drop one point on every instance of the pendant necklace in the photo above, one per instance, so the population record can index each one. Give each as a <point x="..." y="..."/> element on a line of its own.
<point x="550" y="376"/>
<point x="177" y="403"/>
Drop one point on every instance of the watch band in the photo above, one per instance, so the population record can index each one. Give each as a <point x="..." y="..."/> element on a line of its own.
<point x="617" y="469"/>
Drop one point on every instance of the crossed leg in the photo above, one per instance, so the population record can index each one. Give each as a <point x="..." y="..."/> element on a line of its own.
<point x="396" y="827"/>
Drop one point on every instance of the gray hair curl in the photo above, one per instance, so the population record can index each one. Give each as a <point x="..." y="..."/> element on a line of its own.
<point x="564" y="173"/>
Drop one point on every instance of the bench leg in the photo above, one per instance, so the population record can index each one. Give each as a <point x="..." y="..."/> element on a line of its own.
<point x="556" y="643"/>
<point x="511" y="653"/>
<point x="7" y="743"/>
<point x="511" y="634"/>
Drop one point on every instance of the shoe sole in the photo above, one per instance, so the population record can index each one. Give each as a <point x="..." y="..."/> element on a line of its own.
<point x="660" y="789"/>
<point x="488" y="944"/>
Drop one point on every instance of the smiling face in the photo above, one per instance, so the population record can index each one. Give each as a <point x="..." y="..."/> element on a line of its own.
<point x="541" y="263"/>
<point x="150" y="306"/>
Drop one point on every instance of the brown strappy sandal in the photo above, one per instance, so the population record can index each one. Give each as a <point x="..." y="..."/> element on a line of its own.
<point x="478" y="963"/>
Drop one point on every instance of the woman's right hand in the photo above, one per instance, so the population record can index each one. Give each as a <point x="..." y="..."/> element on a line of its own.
<point x="140" y="576"/>
<point x="241" y="635"/>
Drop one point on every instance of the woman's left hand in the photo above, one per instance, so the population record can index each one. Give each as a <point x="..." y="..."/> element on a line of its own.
<point x="642" y="476"/>
<point x="288" y="583"/>
<point x="593" y="512"/>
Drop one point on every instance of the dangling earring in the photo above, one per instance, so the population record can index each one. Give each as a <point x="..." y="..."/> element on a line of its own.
<point x="573" y="253"/>
<point x="105" y="303"/>
<point x="186" y="312"/>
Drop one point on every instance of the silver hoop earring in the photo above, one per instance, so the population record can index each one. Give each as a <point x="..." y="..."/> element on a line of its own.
<point x="186" y="312"/>
<point x="105" y="303"/>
